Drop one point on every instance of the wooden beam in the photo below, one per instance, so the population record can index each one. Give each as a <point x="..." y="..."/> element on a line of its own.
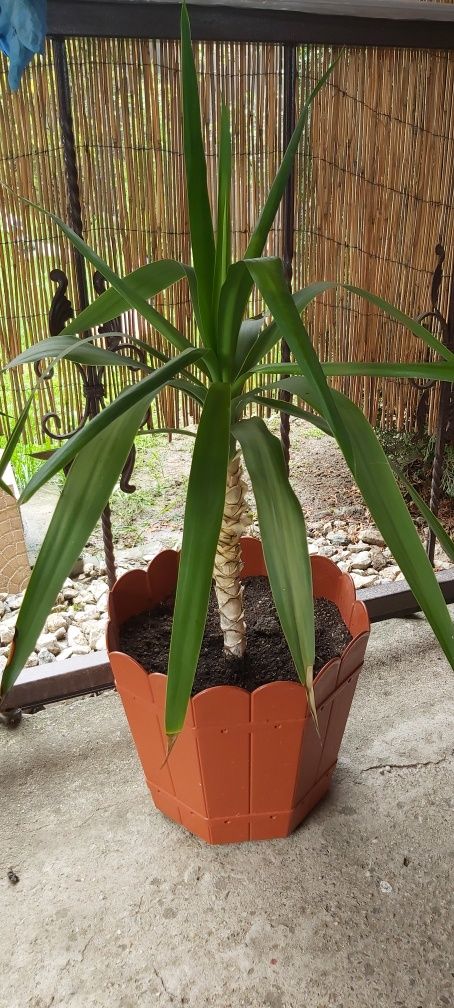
<point x="396" y="598"/>
<point x="254" y="21"/>
<point x="87" y="674"/>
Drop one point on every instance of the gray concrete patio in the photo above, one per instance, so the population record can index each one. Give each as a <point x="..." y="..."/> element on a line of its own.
<point x="116" y="907"/>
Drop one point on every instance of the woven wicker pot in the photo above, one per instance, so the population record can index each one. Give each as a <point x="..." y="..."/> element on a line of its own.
<point x="247" y="766"/>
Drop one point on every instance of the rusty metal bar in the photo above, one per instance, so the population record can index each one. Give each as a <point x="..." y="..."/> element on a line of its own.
<point x="288" y="217"/>
<point x="69" y="154"/>
<point x="443" y="427"/>
<point x="93" y="388"/>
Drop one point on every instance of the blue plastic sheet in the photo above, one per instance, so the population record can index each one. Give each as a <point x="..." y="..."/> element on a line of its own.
<point x="22" y="34"/>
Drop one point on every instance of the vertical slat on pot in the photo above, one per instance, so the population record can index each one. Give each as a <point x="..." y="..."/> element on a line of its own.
<point x="340" y="708"/>
<point x="141" y="705"/>
<point x="353" y="657"/>
<point x="278" y="716"/>
<point x="325" y="681"/>
<point x="221" y="718"/>
<point x="311" y="753"/>
<point x="184" y="766"/>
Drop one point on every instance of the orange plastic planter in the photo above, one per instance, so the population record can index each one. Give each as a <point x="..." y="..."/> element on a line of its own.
<point x="247" y="766"/>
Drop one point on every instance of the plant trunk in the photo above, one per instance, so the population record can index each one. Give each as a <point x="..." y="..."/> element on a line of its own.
<point x="228" y="564"/>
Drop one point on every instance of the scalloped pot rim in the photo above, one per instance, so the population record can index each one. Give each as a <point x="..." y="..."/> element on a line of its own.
<point x="232" y="776"/>
<point x="358" y="609"/>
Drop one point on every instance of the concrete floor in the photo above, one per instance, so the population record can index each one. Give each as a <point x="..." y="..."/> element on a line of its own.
<point x="117" y="908"/>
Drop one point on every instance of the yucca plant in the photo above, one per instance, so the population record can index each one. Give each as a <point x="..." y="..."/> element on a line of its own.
<point x="230" y="358"/>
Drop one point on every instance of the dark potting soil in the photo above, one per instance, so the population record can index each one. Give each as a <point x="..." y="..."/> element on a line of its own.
<point x="146" y="638"/>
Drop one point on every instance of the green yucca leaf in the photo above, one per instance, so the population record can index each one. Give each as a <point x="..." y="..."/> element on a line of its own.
<point x="132" y="298"/>
<point x="238" y="284"/>
<point x="223" y="232"/>
<point x="129" y="397"/>
<point x="147" y="281"/>
<point x="284" y="541"/>
<point x="375" y="479"/>
<point x="78" y="509"/>
<point x="202" y="524"/>
<point x="442" y="371"/>
<point x="12" y="443"/>
<point x="200" y="220"/>
<point x="269" y="337"/>
<point x="282" y="406"/>
<point x="76" y="350"/>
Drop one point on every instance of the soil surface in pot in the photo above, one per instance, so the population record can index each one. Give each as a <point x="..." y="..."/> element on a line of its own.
<point x="146" y="638"/>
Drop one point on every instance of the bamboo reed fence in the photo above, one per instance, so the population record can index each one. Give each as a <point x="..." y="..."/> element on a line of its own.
<point x="374" y="193"/>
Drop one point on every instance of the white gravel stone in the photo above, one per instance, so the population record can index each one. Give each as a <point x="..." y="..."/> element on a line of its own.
<point x="75" y="637"/>
<point x="6" y="634"/>
<point x="32" y="661"/>
<point x="78" y="568"/>
<point x="2" y="662"/>
<point x="98" y="589"/>
<point x="360" y="561"/>
<point x="45" y="657"/>
<point x="358" y="547"/>
<point x="372" y="537"/>
<point x="56" y="621"/>
<point x="101" y="604"/>
<point x="45" y="640"/>
<point x="91" y="611"/>
<point x="66" y="653"/>
<point x="328" y="551"/>
<point x="81" y="649"/>
<point x="14" y="601"/>
<point x="363" y="580"/>
<point x="338" y="538"/>
<point x="55" y="648"/>
<point x="91" y="631"/>
<point x="391" y="572"/>
<point x="379" y="562"/>
<point x="82" y="615"/>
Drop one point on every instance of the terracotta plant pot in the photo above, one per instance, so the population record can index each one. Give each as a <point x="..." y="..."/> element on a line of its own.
<point x="247" y="766"/>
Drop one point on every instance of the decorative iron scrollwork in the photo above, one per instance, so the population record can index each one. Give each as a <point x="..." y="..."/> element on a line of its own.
<point x="92" y="378"/>
<point x="445" y="422"/>
<point x="118" y="342"/>
<point x="61" y="309"/>
<point x="432" y="316"/>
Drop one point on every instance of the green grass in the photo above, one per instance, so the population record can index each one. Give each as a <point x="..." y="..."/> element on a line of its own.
<point x="23" y="465"/>
<point x="132" y="513"/>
